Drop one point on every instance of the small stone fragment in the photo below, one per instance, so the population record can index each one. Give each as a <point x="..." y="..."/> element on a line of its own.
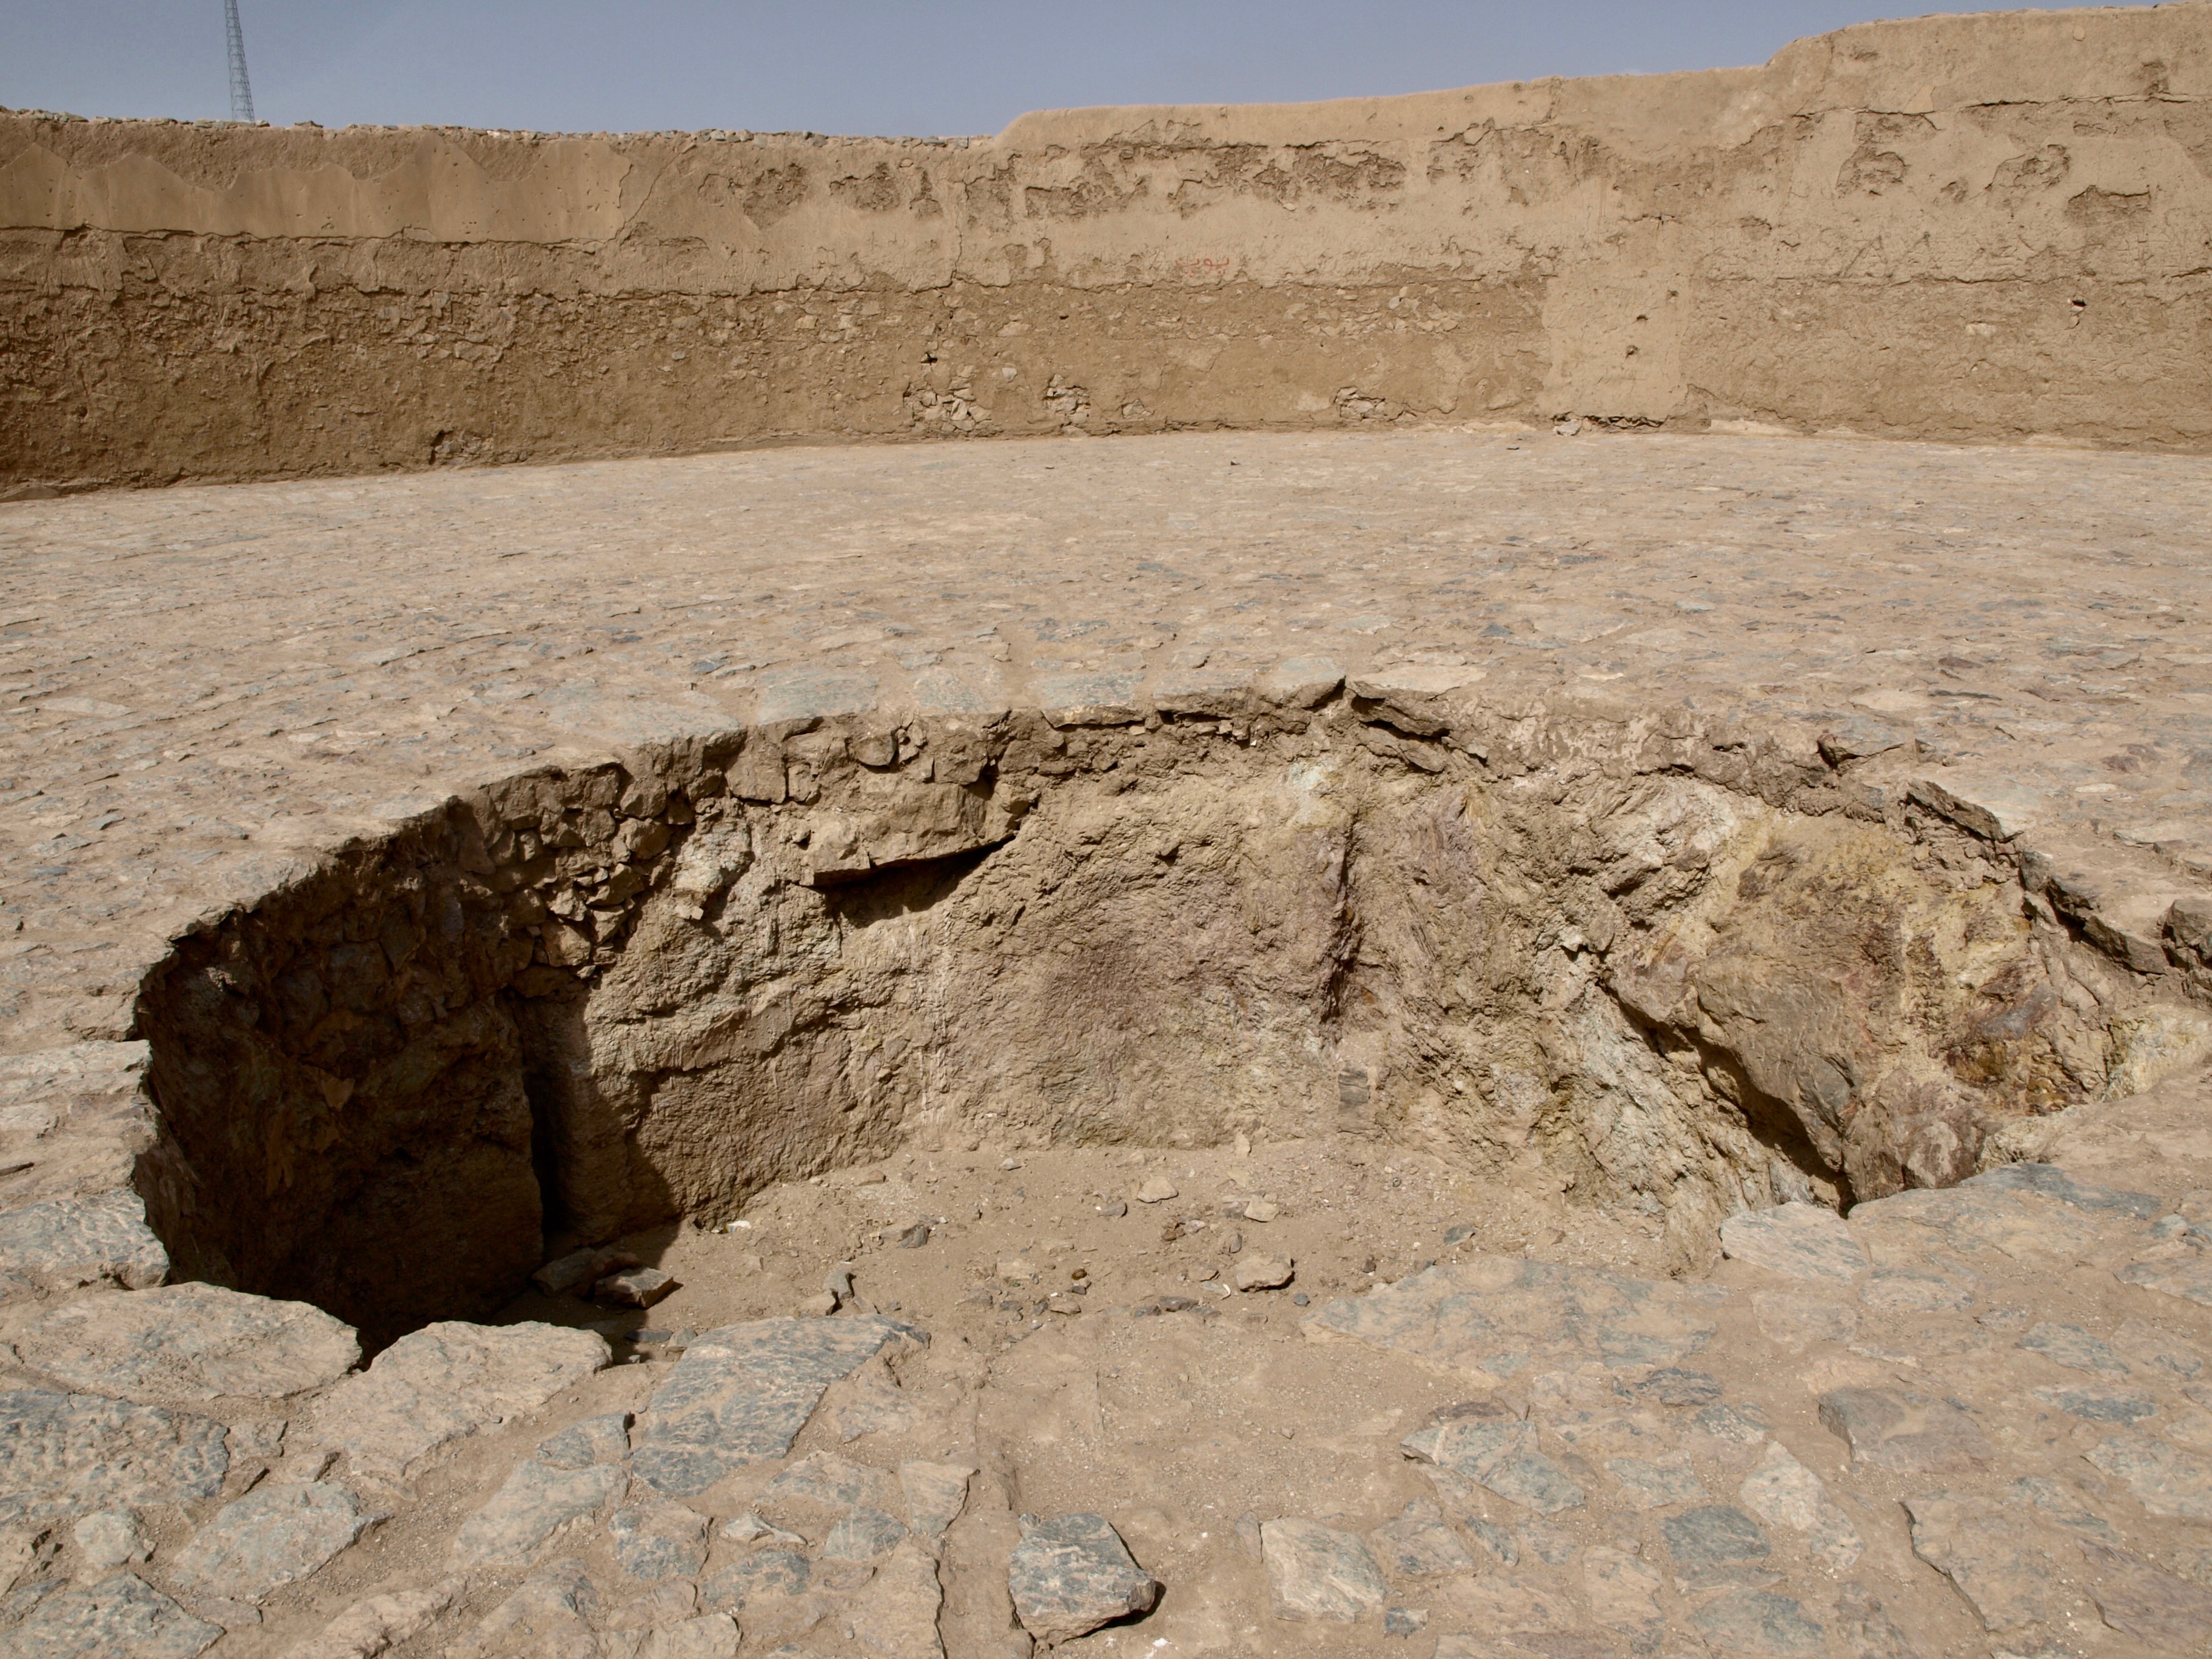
<point x="1158" y="1190"/>
<point x="274" y="1535"/>
<point x="660" y="1541"/>
<point x="110" y="1538"/>
<point x="1114" y="1207"/>
<point x="633" y="1287"/>
<point x="1404" y="1621"/>
<point x="1911" y="1433"/>
<point x="1262" y="1210"/>
<point x="748" y="1528"/>
<point x="913" y="1238"/>
<point x="586" y="1267"/>
<point x="820" y="1305"/>
<point x="1799" y="1241"/>
<point x="1257" y="1271"/>
<point x="1318" y="1572"/>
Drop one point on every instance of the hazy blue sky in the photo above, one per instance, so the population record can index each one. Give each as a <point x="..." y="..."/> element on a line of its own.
<point x="844" y="66"/>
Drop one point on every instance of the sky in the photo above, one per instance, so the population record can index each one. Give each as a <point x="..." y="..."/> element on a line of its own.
<point x="919" y="67"/>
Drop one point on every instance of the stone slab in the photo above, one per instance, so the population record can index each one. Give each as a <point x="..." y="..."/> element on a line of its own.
<point x="533" y="1501"/>
<point x="86" y="1452"/>
<point x="274" y="1535"/>
<point x="1904" y="1431"/>
<point x="1498" y="1315"/>
<point x="1797" y="1241"/>
<point x="741" y="1394"/>
<point x="1071" y="1573"/>
<point x="1318" y="1573"/>
<point x="66" y="1243"/>
<point x="443" y="1383"/>
<point x="183" y="1344"/>
<point x="120" y="1617"/>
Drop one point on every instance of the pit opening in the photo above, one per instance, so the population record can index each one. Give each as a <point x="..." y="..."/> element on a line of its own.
<point x="1634" y="960"/>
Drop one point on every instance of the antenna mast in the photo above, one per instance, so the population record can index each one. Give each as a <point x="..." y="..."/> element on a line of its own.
<point x="241" y="89"/>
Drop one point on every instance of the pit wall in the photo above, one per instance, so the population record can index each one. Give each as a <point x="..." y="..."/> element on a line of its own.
<point x="1982" y="228"/>
<point x="1635" y="960"/>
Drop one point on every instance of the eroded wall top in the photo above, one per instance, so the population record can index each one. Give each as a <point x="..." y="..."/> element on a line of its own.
<point x="1988" y="227"/>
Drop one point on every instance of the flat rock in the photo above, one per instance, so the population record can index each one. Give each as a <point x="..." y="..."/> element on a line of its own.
<point x="1908" y="1432"/>
<point x="1497" y="1316"/>
<point x="825" y="1482"/>
<point x="445" y="1382"/>
<point x="2146" y="1602"/>
<point x="1656" y="1483"/>
<point x="533" y="1500"/>
<point x="863" y="1535"/>
<point x="1502" y="1456"/>
<point x="1783" y="1493"/>
<point x="2093" y="1404"/>
<point x="2051" y="1181"/>
<point x="2181" y="1269"/>
<point x="1760" y="1622"/>
<point x="2164" y="1480"/>
<point x="120" y="1617"/>
<point x="935" y="1493"/>
<point x="2004" y="1566"/>
<point x="110" y="1538"/>
<point x="550" y="1616"/>
<point x="1069" y="1575"/>
<point x="182" y="1344"/>
<point x="84" y="1453"/>
<point x="1622" y="1592"/>
<point x="764" y="1573"/>
<point x="277" y="1534"/>
<point x="586" y="1267"/>
<point x="634" y="1287"/>
<point x="66" y="1243"/>
<point x="1798" y="1241"/>
<point x="741" y="1394"/>
<point x="1158" y="1190"/>
<point x="1420" y="1544"/>
<point x="704" y="1636"/>
<point x="1797" y="1322"/>
<point x="1318" y="1572"/>
<point x="1911" y="1291"/>
<point x="658" y="1540"/>
<point x="895" y="1615"/>
<point x="1256" y="1270"/>
<point x="602" y="1439"/>
<point x="2072" y="1346"/>
<point x="375" y="1625"/>
<point x="1713" y="1535"/>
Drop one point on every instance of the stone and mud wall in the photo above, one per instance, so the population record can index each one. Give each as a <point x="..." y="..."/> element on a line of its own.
<point x="1685" y="970"/>
<point x="1993" y="227"/>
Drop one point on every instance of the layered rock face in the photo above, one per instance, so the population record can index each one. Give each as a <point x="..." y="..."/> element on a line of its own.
<point x="577" y="1004"/>
<point x="1985" y="228"/>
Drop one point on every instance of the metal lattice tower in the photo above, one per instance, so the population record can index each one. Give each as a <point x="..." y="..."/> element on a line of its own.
<point x="241" y="89"/>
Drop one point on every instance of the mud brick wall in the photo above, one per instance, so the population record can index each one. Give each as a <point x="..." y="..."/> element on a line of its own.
<point x="1982" y="228"/>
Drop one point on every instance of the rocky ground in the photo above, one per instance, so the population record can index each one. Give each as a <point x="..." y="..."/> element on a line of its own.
<point x="1973" y="1421"/>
